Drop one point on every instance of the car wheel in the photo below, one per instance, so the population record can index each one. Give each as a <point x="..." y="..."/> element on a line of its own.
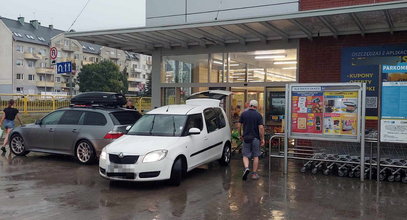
<point x="176" y="172"/>
<point x="227" y="153"/>
<point x="85" y="153"/>
<point x="17" y="145"/>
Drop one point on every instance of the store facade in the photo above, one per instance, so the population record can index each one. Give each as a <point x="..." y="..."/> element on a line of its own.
<point x="252" y="51"/>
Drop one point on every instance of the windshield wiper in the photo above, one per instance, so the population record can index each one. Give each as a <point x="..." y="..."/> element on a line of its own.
<point x="173" y="124"/>
<point x="152" y="126"/>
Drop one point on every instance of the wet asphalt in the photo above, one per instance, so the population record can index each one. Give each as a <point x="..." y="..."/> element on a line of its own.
<point x="42" y="186"/>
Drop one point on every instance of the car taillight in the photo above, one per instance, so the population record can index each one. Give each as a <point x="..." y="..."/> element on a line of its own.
<point x="113" y="135"/>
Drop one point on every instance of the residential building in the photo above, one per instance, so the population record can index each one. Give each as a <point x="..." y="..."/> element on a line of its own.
<point x="27" y="68"/>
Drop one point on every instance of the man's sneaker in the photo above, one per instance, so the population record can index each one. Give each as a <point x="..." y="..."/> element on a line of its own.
<point x="255" y="176"/>
<point x="3" y="149"/>
<point x="245" y="174"/>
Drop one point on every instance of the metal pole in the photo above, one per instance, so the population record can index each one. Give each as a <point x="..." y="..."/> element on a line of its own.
<point x="70" y="84"/>
<point x="287" y="123"/>
<point x="362" y="133"/>
<point x="379" y="118"/>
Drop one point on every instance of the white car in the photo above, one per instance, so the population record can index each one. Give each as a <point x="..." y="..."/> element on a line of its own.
<point x="171" y="140"/>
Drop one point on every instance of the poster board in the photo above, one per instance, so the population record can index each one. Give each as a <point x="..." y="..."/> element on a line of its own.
<point x="329" y="111"/>
<point x="393" y="118"/>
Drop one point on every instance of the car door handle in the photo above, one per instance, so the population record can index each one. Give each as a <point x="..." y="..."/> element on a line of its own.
<point x="205" y="138"/>
<point x="74" y="130"/>
<point x="51" y="130"/>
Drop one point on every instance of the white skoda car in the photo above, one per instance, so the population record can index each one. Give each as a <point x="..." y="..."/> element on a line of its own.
<point x="169" y="141"/>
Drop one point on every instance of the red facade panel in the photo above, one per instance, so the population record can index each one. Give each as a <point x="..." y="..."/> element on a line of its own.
<point x="320" y="4"/>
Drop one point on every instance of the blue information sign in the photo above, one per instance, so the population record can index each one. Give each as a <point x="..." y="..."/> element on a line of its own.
<point x="64" y="67"/>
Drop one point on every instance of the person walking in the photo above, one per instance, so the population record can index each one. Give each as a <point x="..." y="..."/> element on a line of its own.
<point x="253" y="137"/>
<point x="7" y="120"/>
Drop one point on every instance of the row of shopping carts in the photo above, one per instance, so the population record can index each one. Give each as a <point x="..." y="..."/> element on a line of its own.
<point x="343" y="159"/>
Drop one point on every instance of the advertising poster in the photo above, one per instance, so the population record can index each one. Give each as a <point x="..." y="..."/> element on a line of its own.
<point x="307" y="108"/>
<point x="362" y="64"/>
<point x="340" y="113"/>
<point x="328" y="112"/>
<point x="394" y="111"/>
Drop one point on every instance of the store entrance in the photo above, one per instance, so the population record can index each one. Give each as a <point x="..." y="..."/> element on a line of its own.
<point x="240" y="99"/>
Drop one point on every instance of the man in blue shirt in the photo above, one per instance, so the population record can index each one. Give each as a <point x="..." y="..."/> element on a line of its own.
<point x="253" y="138"/>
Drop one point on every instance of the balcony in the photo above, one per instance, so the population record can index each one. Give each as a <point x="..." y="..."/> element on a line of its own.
<point x="86" y="62"/>
<point x="59" y="84"/>
<point x="134" y="79"/>
<point x="45" y="84"/>
<point x="44" y="70"/>
<point x="133" y="89"/>
<point x="30" y="56"/>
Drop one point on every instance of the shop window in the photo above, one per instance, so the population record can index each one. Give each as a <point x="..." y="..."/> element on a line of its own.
<point x="218" y="68"/>
<point x="185" y="69"/>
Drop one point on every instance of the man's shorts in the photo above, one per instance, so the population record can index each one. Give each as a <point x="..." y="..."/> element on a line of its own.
<point x="251" y="149"/>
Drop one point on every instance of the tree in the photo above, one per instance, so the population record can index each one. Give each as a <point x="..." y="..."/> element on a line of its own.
<point x="103" y="76"/>
<point x="147" y="89"/>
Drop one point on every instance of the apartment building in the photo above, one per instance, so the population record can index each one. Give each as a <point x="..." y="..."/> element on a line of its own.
<point x="26" y="67"/>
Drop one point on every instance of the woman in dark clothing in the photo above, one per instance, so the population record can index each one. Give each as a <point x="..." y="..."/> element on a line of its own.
<point x="7" y="120"/>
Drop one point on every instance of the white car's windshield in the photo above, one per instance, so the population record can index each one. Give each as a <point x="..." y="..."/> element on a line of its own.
<point x="159" y="125"/>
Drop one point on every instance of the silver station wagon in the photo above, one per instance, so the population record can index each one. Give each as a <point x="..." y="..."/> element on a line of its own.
<point x="78" y="131"/>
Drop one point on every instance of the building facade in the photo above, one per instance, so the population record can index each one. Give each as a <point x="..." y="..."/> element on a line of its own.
<point x="26" y="67"/>
<point x="254" y="48"/>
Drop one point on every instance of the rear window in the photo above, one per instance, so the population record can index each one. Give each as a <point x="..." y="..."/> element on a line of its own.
<point x="94" y="118"/>
<point x="125" y="117"/>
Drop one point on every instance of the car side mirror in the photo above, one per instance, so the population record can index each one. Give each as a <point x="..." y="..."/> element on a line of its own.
<point x="38" y="122"/>
<point x="128" y="127"/>
<point x="194" y="131"/>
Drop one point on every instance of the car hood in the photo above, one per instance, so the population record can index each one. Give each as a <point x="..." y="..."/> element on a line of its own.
<point x="141" y="145"/>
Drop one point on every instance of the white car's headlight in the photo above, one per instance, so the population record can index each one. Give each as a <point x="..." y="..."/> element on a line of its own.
<point x="154" y="156"/>
<point x="103" y="154"/>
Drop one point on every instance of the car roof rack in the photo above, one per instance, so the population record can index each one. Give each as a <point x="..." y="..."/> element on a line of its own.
<point x="93" y="106"/>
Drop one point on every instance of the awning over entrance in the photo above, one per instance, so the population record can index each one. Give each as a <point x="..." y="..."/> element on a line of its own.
<point x="363" y="19"/>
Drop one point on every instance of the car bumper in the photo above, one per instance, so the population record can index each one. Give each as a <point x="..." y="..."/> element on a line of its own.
<point x="138" y="172"/>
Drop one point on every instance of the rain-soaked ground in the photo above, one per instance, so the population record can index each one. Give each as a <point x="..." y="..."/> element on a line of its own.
<point x="42" y="186"/>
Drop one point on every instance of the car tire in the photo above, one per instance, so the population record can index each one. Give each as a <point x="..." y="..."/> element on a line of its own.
<point x="226" y="155"/>
<point x="176" y="172"/>
<point x="17" y="145"/>
<point x="85" y="152"/>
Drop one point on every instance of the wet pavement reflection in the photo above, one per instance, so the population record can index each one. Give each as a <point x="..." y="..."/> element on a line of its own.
<point x="42" y="186"/>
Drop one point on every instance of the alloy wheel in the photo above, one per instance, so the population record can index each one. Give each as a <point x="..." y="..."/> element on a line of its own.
<point x="17" y="144"/>
<point x="84" y="152"/>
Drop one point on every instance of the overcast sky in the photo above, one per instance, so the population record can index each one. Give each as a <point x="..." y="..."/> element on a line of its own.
<point x="98" y="14"/>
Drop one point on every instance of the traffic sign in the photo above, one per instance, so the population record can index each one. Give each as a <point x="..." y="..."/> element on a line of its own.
<point x="64" y="67"/>
<point x="53" y="53"/>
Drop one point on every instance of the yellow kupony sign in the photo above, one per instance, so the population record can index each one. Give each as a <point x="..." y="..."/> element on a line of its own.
<point x="343" y="94"/>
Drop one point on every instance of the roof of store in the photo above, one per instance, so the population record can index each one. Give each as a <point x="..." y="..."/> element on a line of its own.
<point x="360" y="19"/>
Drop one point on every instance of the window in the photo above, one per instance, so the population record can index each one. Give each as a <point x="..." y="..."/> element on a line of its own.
<point x="94" y="118"/>
<point x="43" y="65"/>
<point x="70" y="118"/>
<point x="31" y="77"/>
<point x="76" y="56"/>
<point x="159" y="125"/>
<point x="194" y="121"/>
<point x="20" y="49"/>
<point x="53" y="118"/>
<point x="19" y="62"/>
<point x="31" y="50"/>
<point x="125" y="117"/>
<point x="135" y="66"/>
<point x="43" y="52"/>
<point x="42" y="78"/>
<point x="20" y="89"/>
<point x="57" y="79"/>
<point x="31" y="63"/>
<point x="20" y="76"/>
<point x="210" y="120"/>
<point x="66" y="42"/>
<point x="220" y="119"/>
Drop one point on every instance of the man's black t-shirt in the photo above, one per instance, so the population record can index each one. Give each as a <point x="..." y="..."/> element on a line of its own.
<point x="10" y="113"/>
<point x="251" y="119"/>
